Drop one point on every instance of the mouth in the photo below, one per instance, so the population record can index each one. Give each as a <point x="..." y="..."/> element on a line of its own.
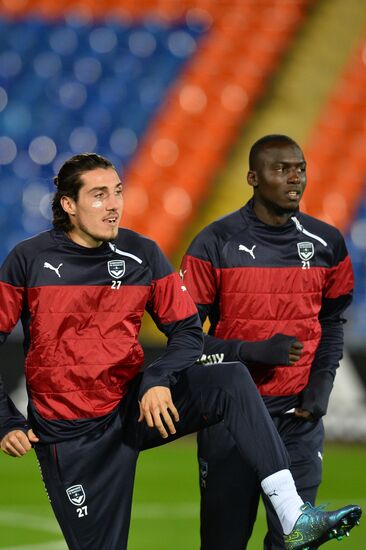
<point x="293" y="195"/>
<point x="111" y="221"/>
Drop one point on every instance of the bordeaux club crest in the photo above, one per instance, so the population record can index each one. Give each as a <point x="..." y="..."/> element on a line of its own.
<point x="76" y="495"/>
<point x="116" y="268"/>
<point x="305" y="250"/>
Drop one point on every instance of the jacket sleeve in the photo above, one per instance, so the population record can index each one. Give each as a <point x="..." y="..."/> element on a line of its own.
<point x="272" y="351"/>
<point x="337" y="296"/>
<point x="175" y="314"/>
<point x="11" y="302"/>
<point x="201" y="274"/>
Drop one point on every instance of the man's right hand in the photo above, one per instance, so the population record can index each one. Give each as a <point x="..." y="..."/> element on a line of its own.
<point x="156" y="406"/>
<point x="295" y="352"/>
<point x="16" y="443"/>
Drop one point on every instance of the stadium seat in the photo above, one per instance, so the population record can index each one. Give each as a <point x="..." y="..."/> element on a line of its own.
<point x="77" y="83"/>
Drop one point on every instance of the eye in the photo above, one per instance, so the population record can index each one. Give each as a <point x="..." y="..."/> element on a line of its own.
<point x="99" y="195"/>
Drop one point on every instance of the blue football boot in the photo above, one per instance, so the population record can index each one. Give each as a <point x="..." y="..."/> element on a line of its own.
<point x="315" y="526"/>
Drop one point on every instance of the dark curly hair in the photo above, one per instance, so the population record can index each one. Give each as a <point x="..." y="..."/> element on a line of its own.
<point x="68" y="183"/>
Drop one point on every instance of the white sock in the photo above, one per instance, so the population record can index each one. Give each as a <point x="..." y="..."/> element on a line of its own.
<point x="281" y="491"/>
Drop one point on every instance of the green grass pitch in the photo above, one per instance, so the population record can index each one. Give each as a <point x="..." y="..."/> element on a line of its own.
<point x="165" y="511"/>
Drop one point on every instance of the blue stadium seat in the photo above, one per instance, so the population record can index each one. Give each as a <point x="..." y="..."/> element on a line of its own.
<point x="72" y="84"/>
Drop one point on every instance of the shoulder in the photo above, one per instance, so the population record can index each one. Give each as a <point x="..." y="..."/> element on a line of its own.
<point x="135" y="242"/>
<point x="331" y="237"/>
<point x="31" y="247"/>
<point x="219" y="231"/>
<point x="327" y="231"/>
<point x="143" y="250"/>
<point x="15" y="266"/>
<point x="227" y="225"/>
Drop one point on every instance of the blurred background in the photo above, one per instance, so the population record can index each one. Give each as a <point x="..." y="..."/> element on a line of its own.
<point x="174" y="92"/>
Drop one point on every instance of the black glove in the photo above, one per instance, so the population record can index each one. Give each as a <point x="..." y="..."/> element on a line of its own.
<point x="274" y="351"/>
<point x="315" y="397"/>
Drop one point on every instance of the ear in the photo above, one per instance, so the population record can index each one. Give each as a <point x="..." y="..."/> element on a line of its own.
<point x="68" y="204"/>
<point x="252" y="178"/>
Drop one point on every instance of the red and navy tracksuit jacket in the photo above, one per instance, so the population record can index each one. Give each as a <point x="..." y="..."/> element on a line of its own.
<point x="253" y="280"/>
<point x="81" y="311"/>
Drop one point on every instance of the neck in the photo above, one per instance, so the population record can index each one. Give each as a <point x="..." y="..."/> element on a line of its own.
<point x="272" y="215"/>
<point x="83" y="239"/>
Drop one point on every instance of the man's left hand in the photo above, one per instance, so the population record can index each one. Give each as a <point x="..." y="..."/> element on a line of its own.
<point x="305" y="415"/>
<point x="157" y="406"/>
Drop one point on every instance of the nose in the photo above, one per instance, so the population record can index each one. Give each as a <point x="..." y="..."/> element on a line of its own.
<point x="113" y="202"/>
<point x="294" y="174"/>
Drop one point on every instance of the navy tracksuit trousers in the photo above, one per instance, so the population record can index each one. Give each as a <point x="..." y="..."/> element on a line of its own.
<point x="230" y="490"/>
<point x="90" y="479"/>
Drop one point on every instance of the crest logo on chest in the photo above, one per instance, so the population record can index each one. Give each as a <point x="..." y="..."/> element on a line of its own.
<point x="116" y="268"/>
<point x="305" y="250"/>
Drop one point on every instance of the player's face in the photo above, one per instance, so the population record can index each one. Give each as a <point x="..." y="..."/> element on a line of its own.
<point x="279" y="179"/>
<point x="97" y="212"/>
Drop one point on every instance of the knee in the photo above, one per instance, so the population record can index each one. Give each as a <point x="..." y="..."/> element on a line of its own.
<point x="230" y="377"/>
<point x="239" y="370"/>
<point x="238" y="375"/>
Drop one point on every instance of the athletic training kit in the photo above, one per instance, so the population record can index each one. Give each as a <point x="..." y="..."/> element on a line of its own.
<point x="81" y="310"/>
<point x="254" y="281"/>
